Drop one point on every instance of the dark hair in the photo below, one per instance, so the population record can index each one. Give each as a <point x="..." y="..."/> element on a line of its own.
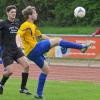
<point x="8" y="8"/>
<point x="27" y="11"/>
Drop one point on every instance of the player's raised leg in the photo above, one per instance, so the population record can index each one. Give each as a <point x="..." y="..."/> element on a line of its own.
<point x="67" y="44"/>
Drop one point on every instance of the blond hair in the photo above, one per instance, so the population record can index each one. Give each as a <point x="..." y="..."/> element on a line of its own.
<point x="28" y="11"/>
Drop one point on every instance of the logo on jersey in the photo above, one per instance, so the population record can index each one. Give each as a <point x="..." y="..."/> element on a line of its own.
<point x="13" y="29"/>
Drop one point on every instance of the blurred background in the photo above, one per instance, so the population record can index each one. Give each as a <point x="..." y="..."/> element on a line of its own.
<point x="59" y="13"/>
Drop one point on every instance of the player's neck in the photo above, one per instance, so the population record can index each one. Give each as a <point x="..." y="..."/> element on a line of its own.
<point x="11" y="19"/>
<point x="29" y="20"/>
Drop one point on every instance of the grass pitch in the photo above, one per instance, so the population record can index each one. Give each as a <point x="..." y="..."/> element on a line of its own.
<point x="68" y="30"/>
<point x="54" y="90"/>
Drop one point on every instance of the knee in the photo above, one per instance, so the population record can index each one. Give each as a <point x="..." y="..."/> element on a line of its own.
<point x="26" y="68"/>
<point x="7" y="72"/>
<point x="55" y="41"/>
<point x="46" y="71"/>
<point x="58" y="39"/>
<point x="10" y="73"/>
<point x="45" y="68"/>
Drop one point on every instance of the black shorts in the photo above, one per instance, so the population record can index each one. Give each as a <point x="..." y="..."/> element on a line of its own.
<point x="9" y="56"/>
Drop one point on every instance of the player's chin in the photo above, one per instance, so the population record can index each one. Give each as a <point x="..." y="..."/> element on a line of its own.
<point x="35" y="19"/>
<point x="13" y="17"/>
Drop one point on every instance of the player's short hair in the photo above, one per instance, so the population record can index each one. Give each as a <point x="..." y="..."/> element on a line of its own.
<point x="28" y="11"/>
<point x="8" y="8"/>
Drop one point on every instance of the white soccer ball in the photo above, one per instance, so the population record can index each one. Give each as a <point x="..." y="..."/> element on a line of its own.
<point x="79" y="12"/>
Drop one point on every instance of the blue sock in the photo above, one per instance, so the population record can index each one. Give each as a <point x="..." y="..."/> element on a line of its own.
<point x="68" y="44"/>
<point x="41" y="83"/>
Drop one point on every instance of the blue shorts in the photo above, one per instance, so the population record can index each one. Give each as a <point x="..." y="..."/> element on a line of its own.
<point x="36" y="54"/>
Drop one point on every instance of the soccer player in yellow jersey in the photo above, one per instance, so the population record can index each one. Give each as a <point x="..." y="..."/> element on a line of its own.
<point x="34" y="50"/>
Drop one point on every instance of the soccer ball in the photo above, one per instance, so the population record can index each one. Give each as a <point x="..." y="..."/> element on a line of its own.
<point x="79" y="12"/>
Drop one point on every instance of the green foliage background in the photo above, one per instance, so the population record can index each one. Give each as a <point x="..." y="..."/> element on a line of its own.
<point x="58" y="12"/>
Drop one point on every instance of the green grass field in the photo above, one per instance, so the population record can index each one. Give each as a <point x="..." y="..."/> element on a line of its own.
<point x="54" y="90"/>
<point x="68" y="30"/>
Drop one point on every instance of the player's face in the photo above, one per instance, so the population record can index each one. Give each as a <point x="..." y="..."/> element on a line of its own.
<point x="12" y="14"/>
<point x="34" y="15"/>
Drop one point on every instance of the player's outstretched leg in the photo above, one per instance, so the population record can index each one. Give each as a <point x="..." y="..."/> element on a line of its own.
<point x="82" y="47"/>
<point x="67" y="44"/>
